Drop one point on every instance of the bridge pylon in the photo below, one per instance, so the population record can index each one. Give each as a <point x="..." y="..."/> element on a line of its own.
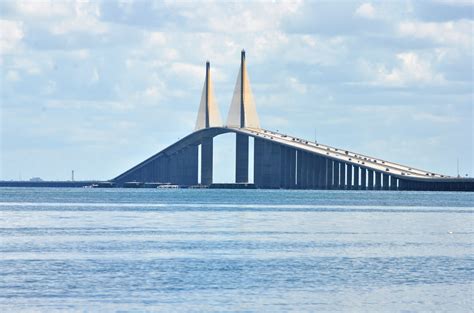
<point x="208" y="114"/>
<point x="243" y="112"/>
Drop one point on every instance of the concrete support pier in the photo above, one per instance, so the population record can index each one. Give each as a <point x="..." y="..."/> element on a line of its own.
<point x="363" y="178"/>
<point x="356" y="178"/>
<point x="191" y="165"/>
<point x="342" y="182"/>
<point x="349" y="176"/>
<point x="298" y="168"/>
<point x="330" y="174"/>
<point x="267" y="164"/>
<point x="206" y="161"/>
<point x="336" y="175"/>
<point x="386" y="179"/>
<point x="370" y="183"/>
<point x="378" y="181"/>
<point x="322" y="172"/>
<point x="393" y="183"/>
<point x="288" y="162"/>
<point x="241" y="158"/>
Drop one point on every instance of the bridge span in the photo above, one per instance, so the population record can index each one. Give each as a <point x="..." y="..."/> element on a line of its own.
<point x="280" y="160"/>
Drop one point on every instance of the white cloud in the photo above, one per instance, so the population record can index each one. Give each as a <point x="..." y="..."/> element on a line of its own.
<point x="152" y="95"/>
<point x="107" y="106"/>
<point x="243" y="18"/>
<point x="312" y="49"/>
<point x="152" y="92"/>
<point x="365" y="10"/>
<point x="26" y="65"/>
<point x="447" y="33"/>
<point x="268" y="42"/>
<point x="80" y="54"/>
<point x="126" y="5"/>
<point x="11" y="34"/>
<point x="156" y="39"/>
<point x="79" y="16"/>
<point x="412" y="69"/>
<point x="44" y="8"/>
<point x="456" y="2"/>
<point x="12" y="76"/>
<point x="79" y="24"/>
<point x="296" y="85"/>
<point x="435" y="118"/>
<point x="191" y="72"/>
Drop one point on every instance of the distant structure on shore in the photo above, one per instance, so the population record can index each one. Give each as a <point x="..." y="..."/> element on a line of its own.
<point x="280" y="160"/>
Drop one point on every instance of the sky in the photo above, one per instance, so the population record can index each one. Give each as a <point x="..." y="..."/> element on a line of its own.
<point x="98" y="86"/>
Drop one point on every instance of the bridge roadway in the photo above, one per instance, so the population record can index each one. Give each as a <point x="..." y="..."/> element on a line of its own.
<point x="283" y="161"/>
<point x="340" y="154"/>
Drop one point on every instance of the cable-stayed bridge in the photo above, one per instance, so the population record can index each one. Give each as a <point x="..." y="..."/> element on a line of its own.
<point x="280" y="161"/>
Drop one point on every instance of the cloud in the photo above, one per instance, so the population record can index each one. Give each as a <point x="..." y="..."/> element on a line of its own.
<point x="80" y="54"/>
<point x="43" y="8"/>
<point x="12" y="76"/>
<point x="435" y="118"/>
<point x="296" y="85"/>
<point x="241" y="17"/>
<point x="11" y="35"/>
<point x="85" y="18"/>
<point x="26" y="65"/>
<point x="85" y="105"/>
<point x="62" y="17"/>
<point x="143" y="61"/>
<point x="446" y="33"/>
<point x="410" y="70"/>
<point x="456" y="2"/>
<point x="365" y="10"/>
<point x="190" y="72"/>
<point x="156" y="38"/>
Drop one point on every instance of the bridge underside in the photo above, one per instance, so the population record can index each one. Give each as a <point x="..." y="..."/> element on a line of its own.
<point x="276" y="166"/>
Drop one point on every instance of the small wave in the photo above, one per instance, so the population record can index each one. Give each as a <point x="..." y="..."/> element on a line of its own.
<point x="211" y="206"/>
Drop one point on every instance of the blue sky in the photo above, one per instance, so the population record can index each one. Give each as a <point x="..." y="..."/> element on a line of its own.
<point x="98" y="86"/>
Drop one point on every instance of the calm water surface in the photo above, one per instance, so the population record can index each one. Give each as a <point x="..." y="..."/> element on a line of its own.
<point x="235" y="251"/>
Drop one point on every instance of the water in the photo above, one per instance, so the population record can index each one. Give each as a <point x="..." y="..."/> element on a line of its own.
<point x="235" y="251"/>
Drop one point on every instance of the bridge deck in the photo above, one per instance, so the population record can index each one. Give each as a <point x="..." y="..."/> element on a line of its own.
<point x="342" y="154"/>
<point x="143" y="170"/>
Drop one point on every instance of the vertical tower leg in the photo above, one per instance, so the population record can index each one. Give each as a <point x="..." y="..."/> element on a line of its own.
<point x="206" y="161"/>
<point x="241" y="158"/>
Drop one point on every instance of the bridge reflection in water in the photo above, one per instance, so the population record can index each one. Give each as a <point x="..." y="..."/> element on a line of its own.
<point x="280" y="161"/>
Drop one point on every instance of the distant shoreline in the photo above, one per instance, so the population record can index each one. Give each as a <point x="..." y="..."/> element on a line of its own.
<point x="45" y="183"/>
